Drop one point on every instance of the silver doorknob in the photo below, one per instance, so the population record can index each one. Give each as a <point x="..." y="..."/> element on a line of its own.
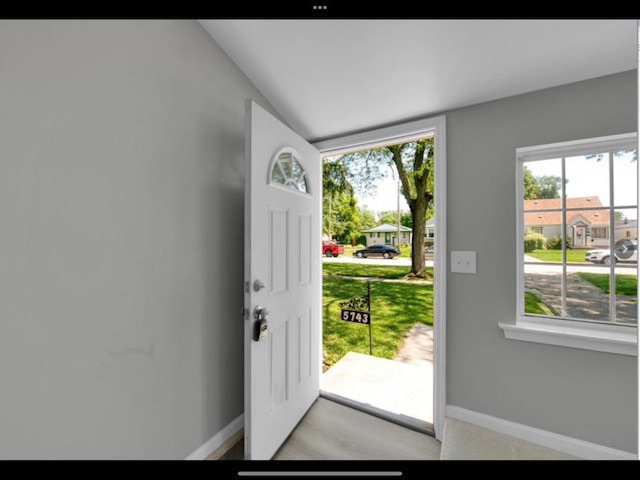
<point x="261" y="313"/>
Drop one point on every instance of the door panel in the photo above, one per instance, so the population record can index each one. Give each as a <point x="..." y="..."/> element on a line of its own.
<point x="282" y="234"/>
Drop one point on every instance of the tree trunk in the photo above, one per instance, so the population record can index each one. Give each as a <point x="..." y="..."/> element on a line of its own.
<point x="418" y="196"/>
<point x="418" y="213"/>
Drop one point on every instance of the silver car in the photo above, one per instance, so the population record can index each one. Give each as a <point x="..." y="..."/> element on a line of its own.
<point x="625" y="252"/>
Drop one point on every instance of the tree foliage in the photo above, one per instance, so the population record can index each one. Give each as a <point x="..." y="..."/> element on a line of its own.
<point x="544" y="186"/>
<point x="366" y="218"/>
<point x="340" y="208"/>
<point x="599" y="156"/>
<point x="412" y="162"/>
<point x="391" y="217"/>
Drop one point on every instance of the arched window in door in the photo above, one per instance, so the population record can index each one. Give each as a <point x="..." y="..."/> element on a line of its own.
<point x="287" y="171"/>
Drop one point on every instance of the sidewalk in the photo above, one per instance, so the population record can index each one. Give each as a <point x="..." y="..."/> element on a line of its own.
<point x="583" y="299"/>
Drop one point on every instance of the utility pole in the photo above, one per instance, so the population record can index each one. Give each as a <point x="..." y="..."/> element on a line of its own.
<point x="329" y="217"/>
<point x="398" y="214"/>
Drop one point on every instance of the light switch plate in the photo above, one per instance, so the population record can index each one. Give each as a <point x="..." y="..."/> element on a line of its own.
<point x="463" y="262"/>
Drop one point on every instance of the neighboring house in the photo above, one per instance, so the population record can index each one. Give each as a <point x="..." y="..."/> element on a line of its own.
<point x="585" y="226"/>
<point x="625" y="230"/>
<point x="430" y="232"/>
<point x="387" y="234"/>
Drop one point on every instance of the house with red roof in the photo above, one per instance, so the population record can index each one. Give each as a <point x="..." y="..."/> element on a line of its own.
<point x="587" y="220"/>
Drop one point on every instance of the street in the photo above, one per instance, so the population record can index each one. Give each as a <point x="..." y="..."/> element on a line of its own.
<point x="536" y="267"/>
<point x="620" y="268"/>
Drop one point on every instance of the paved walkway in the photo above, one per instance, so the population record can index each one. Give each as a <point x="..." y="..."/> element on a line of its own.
<point x="584" y="300"/>
<point x="417" y="348"/>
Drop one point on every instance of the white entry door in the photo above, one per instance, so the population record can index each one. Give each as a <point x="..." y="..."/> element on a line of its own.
<point x="283" y="264"/>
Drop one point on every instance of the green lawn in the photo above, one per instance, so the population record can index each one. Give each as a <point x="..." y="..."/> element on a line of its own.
<point x="395" y="308"/>
<point x="363" y="270"/>
<point x="625" y="284"/>
<point x="556" y="255"/>
<point x="532" y="304"/>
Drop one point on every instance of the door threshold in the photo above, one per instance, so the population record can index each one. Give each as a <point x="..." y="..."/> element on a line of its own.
<point x="412" y="423"/>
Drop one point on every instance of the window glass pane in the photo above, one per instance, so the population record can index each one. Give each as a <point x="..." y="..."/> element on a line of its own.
<point x="302" y="184"/>
<point x="288" y="171"/>
<point x="587" y="177"/>
<point x="625" y="224"/>
<point x="285" y="161"/>
<point x="626" y="266"/>
<point x="542" y="186"/>
<point x="625" y="176"/>
<point x="542" y="290"/>
<point x="277" y="175"/>
<point x="586" y="300"/>
<point x="296" y="169"/>
<point x="589" y="228"/>
<point x="626" y="295"/>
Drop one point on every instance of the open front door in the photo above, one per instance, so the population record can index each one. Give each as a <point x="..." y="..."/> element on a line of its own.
<point x="283" y="318"/>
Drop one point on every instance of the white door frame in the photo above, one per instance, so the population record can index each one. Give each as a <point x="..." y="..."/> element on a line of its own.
<point x="403" y="133"/>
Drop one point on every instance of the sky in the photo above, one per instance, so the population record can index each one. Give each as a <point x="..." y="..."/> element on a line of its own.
<point x="386" y="197"/>
<point x="591" y="177"/>
<point x="582" y="182"/>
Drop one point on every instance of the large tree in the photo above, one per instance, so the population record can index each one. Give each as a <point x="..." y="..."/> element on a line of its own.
<point x="412" y="162"/>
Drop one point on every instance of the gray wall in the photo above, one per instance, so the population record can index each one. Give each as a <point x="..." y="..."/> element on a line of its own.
<point x="587" y="395"/>
<point x="121" y="239"/>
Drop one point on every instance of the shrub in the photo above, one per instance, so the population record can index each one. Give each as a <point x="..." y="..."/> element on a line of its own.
<point x="534" y="241"/>
<point x="555" y="243"/>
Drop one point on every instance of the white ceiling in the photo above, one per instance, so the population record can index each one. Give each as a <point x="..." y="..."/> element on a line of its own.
<point x="328" y="78"/>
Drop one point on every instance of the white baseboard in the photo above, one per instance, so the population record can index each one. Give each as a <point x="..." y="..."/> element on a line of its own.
<point x="218" y="439"/>
<point x="561" y="443"/>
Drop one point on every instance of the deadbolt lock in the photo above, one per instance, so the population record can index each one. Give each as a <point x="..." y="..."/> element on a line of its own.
<point x="260" y="327"/>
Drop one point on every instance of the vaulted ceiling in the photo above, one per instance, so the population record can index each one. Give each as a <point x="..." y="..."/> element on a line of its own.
<point x="333" y="77"/>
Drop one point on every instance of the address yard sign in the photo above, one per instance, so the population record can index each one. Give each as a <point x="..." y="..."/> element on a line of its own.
<point x="358" y="310"/>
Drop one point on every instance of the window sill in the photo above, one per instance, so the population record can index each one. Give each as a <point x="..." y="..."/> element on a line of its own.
<point x="601" y="338"/>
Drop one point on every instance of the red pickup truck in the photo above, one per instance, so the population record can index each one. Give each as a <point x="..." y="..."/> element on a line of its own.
<point x="330" y="248"/>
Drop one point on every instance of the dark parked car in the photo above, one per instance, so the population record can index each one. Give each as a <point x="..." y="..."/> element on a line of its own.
<point x="384" y="251"/>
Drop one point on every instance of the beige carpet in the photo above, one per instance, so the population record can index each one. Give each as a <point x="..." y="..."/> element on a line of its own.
<point x="464" y="441"/>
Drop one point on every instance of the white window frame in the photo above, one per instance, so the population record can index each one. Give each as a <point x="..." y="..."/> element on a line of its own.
<point x="612" y="338"/>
